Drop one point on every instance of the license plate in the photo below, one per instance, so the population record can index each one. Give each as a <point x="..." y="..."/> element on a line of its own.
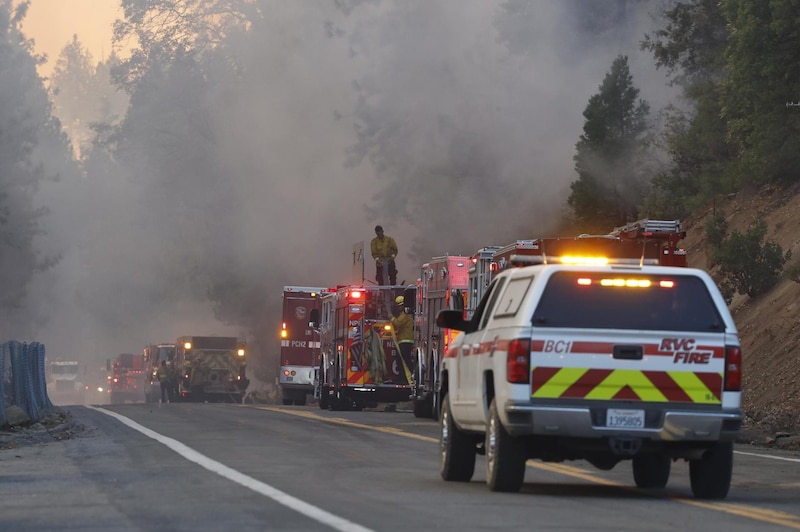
<point x="289" y="378"/>
<point x="626" y="419"/>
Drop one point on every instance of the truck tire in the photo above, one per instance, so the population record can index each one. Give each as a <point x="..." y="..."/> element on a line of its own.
<point x="324" y="402"/>
<point x="340" y="402"/>
<point x="286" y="402"/>
<point x="456" y="448"/>
<point x="651" y="470"/>
<point x="710" y="476"/>
<point x="435" y="408"/>
<point x="505" y="456"/>
<point x="301" y="401"/>
<point x="422" y="407"/>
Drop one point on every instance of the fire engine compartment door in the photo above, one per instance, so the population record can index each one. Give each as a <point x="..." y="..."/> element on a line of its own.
<point x="301" y="345"/>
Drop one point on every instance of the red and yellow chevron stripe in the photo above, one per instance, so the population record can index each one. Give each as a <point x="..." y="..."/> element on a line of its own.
<point x="626" y="385"/>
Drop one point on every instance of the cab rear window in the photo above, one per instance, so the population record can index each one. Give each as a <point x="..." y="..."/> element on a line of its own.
<point x="625" y="301"/>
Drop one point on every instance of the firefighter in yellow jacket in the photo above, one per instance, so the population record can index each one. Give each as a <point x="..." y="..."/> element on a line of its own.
<point x="403" y="325"/>
<point x="163" y="378"/>
<point x="384" y="250"/>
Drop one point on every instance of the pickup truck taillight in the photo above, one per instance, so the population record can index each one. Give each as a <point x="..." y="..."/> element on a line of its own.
<point x="518" y="363"/>
<point x="733" y="369"/>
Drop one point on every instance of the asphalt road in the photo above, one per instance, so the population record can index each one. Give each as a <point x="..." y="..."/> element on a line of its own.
<point x="200" y="467"/>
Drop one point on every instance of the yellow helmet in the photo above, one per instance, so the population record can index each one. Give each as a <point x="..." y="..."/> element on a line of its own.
<point x="399" y="300"/>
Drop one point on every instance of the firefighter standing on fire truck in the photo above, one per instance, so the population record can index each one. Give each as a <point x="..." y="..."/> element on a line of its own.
<point x="403" y="325"/>
<point x="384" y="250"/>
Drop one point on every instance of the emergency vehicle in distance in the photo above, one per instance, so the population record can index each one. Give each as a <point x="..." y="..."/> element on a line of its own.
<point x="153" y="355"/>
<point x="599" y="360"/>
<point x="127" y="378"/>
<point x="212" y="368"/>
<point x="300" y="345"/>
<point x="443" y="284"/>
<point x="360" y="362"/>
<point x="65" y="382"/>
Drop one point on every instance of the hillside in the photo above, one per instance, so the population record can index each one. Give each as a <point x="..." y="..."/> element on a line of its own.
<point x="769" y="326"/>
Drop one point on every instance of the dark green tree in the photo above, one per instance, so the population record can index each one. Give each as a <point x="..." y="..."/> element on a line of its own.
<point x="26" y="130"/>
<point x="69" y="88"/>
<point x="83" y="95"/>
<point x="167" y="29"/>
<point x="716" y="229"/>
<point x="691" y="47"/>
<point x="746" y="265"/>
<point x="611" y="154"/>
<point x="763" y="76"/>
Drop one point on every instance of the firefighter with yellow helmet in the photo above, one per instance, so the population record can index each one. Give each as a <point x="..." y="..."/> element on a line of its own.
<point x="403" y="325"/>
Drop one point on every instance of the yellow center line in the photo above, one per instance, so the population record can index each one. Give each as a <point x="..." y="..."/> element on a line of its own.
<point x="348" y="423"/>
<point x="742" y="510"/>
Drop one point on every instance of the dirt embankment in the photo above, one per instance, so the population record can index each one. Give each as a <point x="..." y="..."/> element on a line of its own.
<point x="769" y="325"/>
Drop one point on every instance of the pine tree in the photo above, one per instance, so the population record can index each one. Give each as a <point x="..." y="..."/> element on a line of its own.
<point x="612" y="179"/>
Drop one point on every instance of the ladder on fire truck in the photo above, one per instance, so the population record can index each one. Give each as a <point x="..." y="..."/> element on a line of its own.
<point x="650" y="228"/>
<point x="668" y="231"/>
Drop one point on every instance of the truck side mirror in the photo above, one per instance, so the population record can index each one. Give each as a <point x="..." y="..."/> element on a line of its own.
<point x="453" y="319"/>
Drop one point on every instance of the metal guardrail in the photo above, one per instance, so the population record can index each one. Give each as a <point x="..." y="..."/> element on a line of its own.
<point x="23" y="381"/>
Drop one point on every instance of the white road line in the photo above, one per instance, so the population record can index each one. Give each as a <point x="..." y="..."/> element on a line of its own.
<point x="317" y="514"/>
<point x="769" y="456"/>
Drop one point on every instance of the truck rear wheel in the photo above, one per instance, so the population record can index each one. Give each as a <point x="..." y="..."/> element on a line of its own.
<point x="505" y="456"/>
<point x="710" y="476"/>
<point x="457" y="450"/>
<point x="435" y="409"/>
<point x="651" y="470"/>
<point x="422" y="407"/>
<point x="324" y="402"/>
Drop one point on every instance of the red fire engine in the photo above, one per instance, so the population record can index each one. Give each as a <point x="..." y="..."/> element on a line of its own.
<point x="127" y="378"/>
<point x="299" y="342"/>
<point x="444" y="284"/>
<point x="361" y="363"/>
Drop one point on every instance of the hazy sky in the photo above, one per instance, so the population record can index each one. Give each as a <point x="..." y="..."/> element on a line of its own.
<point x="52" y="23"/>
<point x="394" y="99"/>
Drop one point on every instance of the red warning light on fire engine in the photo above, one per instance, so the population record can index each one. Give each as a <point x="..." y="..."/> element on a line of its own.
<point x="356" y="295"/>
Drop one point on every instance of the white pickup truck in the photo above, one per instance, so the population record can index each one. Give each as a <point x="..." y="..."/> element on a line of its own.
<point x="600" y="362"/>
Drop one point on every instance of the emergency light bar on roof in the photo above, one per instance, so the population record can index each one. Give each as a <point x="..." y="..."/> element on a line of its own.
<point x="532" y="260"/>
<point x="356" y="295"/>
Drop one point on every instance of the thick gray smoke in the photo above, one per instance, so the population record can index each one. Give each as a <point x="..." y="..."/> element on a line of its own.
<point x="452" y="123"/>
